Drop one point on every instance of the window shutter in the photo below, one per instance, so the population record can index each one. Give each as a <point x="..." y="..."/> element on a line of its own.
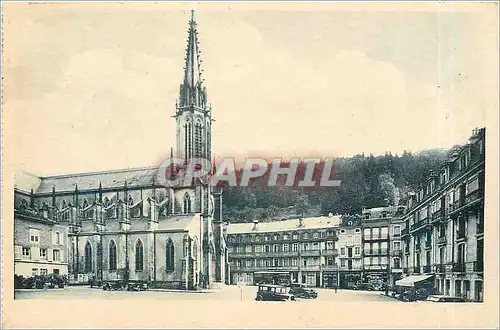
<point x="18" y="252"/>
<point x="34" y="252"/>
<point x="61" y="255"/>
<point x="50" y="255"/>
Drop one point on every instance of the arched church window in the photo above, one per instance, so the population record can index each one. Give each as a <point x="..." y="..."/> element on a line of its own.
<point x="112" y="255"/>
<point x="88" y="258"/>
<point x="63" y="204"/>
<point x="106" y="202"/>
<point x="130" y="200"/>
<point x="139" y="256"/>
<point x="187" y="203"/>
<point x="170" y="253"/>
<point x="85" y="203"/>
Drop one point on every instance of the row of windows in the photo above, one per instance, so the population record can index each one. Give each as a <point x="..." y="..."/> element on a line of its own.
<point x="43" y="271"/>
<point x="282" y="262"/>
<point x="294" y="247"/>
<point x="56" y="254"/>
<point x="139" y="256"/>
<point x="34" y="235"/>
<point x="278" y="237"/>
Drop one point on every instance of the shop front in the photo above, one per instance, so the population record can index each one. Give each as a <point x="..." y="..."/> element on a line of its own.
<point x="349" y="280"/>
<point x="330" y="279"/>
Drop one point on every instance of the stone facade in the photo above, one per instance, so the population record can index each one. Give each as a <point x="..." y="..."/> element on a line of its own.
<point x="349" y="247"/>
<point x="295" y="250"/>
<point x="445" y="223"/>
<point x="124" y="224"/>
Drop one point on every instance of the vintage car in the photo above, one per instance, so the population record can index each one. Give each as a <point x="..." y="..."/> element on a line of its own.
<point x="271" y="292"/>
<point x="300" y="290"/>
<point x="137" y="286"/>
<point x="113" y="285"/>
<point x="365" y="286"/>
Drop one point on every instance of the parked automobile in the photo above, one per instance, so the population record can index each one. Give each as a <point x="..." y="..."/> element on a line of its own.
<point x="137" y="286"/>
<point x="271" y="292"/>
<point x="441" y="298"/>
<point x="113" y="286"/>
<point x="365" y="286"/>
<point x="300" y="290"/>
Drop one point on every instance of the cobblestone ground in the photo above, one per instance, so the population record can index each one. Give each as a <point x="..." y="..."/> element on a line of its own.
<point x="229" y="293"/>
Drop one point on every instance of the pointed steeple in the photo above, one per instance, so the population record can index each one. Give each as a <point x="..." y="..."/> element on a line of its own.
<point x="191" y="91"/>
<point x="192" y="74"/>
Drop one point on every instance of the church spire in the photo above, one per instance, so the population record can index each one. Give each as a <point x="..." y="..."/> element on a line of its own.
<point x="191" y="91"/>
<point x="192" y="74"/>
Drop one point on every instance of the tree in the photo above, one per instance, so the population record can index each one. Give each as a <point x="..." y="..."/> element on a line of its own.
<point x="302" y="205"/>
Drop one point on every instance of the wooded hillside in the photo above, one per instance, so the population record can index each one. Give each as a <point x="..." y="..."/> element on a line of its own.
<point x="366" y="181"/>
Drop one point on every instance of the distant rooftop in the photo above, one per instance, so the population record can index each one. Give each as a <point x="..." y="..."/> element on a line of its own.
<point x="283" y="225"/>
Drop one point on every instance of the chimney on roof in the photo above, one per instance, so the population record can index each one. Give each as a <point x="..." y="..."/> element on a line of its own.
<point x="255" y="223"/>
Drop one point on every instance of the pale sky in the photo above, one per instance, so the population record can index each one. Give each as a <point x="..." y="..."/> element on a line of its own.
<point x="93" y="86"/>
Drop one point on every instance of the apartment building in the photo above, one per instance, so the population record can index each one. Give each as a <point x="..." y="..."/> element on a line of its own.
<point x="293" y="250"/>
<point x="40" y="243"/>
<point x="375" y="222"/>
<point x="443" y="238"/>
<point x="349" y="246"/>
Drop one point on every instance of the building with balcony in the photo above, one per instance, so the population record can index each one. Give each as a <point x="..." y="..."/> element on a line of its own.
<point x="294" y="250"/>
<point x="444" y="223"/>
<point x="349" y="246"/>
<point x="375" y="223"/>
<point x="382" y="244"/>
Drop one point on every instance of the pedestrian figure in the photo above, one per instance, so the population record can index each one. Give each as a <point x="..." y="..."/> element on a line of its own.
<point x="336" y="289"/>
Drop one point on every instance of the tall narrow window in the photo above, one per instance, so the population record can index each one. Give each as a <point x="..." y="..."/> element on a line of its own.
<point x="198" y="140"/>
<point x="112" y="255"/>
<point x="88" y="258"/>
<point x="186" y="140"/>
<point x="63" y="204"/>
<point x="139" y="256"/>
<point x="169" y="266"/>
<point x="187" y="204"/>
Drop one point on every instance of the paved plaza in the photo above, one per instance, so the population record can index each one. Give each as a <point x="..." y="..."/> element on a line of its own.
<point x="228" y="293"/>
<point x="229" y="307"/>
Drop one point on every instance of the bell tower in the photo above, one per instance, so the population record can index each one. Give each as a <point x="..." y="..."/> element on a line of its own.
<point x="193" y="113"/>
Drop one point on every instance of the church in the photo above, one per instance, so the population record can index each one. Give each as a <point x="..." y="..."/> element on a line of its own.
<point x="124" y="225"/>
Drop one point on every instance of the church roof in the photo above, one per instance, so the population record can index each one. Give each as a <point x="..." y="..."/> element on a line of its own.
<point x="134" y="177"/>
<point x="284" y="225"/>
<point x="26" y="181"/>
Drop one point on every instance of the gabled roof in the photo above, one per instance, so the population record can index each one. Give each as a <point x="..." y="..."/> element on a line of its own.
<point x="284" y="225"/>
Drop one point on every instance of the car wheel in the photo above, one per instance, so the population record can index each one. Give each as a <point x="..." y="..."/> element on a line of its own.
<point x="292" y="298"/>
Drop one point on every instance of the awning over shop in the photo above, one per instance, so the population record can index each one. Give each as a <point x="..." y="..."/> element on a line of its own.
<point x="412" y="279"/>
